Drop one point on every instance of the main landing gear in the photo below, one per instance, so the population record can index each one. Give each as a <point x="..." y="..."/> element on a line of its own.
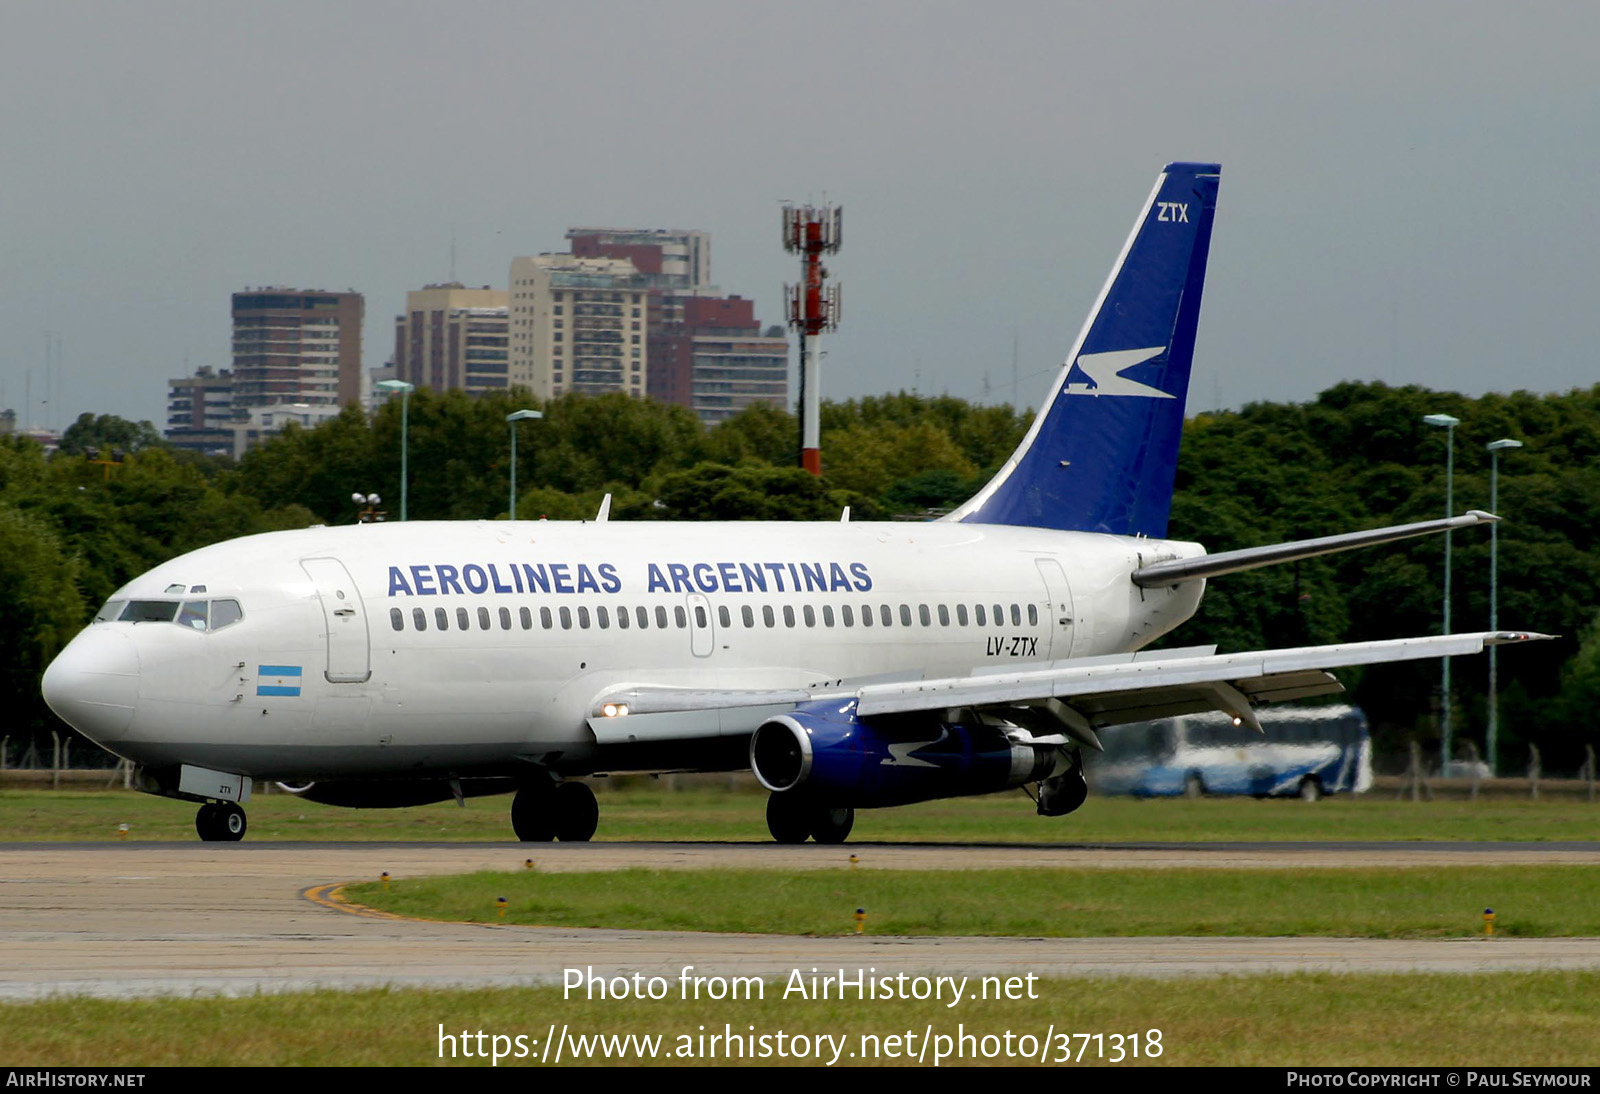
<point x="220" y="822"/>
<point x="793" y="819"/>
<point x="544" y="811"/>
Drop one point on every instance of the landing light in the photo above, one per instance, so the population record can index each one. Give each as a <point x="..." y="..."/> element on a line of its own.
<point x="1238" y="721"/>
<point x="615" y="710"/>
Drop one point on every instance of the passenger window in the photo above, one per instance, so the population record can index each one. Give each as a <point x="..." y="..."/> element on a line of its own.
<point x="505" y="619"/>
<point x="944" y="616"/>
<point x="849" y="616"/>
<point x="905" y="615"/>
<point x="961" y="614"/>
<point x="978" y="612"/>
<point x="827" y="615"/>
<point x="788" y="615"/>
<point x="462" y="621"/>
<point x="526" y="617"/>
<point x="643" y="615"/>
<point x="866" y="615"/>
<point x="441" y="619"/>
<point x="420" y="618"/>
<point x="544" y="618"/>
<point x="397" y="619"/>
<point x="748" y="616"/>
<point x="723" y="616"/>
<point x="922" y="614"/>
<point x="811" y="615"/>
<point x="483" y="619"/>
<point x="1016" y="616"/>
<point x="1033" y="615"/>
<point x="603" y="617"/>
<point x="766" y="615"/>
<point x="583" y="617"/>
<point x="681" y="616"/>
<point x="622" y="618"/>
<point x="225" y="613"/>
<point x="661" y="617"/>
<point x="566" y="619"/>
<point x="885" y="615"/>
<point x="999" y="615"/>
<point x="699" y="616"/>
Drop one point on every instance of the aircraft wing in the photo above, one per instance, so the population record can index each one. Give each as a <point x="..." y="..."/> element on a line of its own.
<point x="1074" y="697"/>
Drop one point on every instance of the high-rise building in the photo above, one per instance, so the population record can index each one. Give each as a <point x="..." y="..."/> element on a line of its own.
<point x="578" y="324"/>
<point x="296" y="346"/>
<point x="670" y="258"/>
<point x="716" y="360"/>
<point x="200" y="411"/>
<point x="452" y="337"/>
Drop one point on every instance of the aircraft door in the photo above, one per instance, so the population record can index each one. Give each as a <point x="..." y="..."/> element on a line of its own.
<point x="1058" y="613"/>
<point x="349" y="649"/>
<point x="702" y="630"/>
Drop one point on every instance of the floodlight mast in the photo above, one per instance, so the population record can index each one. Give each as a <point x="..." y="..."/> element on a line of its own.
<point x="1448" y="424"/>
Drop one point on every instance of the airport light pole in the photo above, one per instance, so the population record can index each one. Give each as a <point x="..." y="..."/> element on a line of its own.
<point x="405" y="391"/>
<point x="1493" y="741"/>
<point x="1449" y="425"/>
<point x="511" y="422"/>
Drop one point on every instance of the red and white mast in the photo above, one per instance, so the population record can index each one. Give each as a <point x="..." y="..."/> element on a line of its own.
<point x="812" y="231"/>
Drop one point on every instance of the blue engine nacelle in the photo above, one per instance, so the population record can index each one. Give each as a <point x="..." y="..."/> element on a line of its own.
<point x="824" y="750"/>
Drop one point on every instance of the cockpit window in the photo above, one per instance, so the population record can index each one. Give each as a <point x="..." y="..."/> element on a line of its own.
<point x="149" y="611"/>
<point x="199" y="615"/>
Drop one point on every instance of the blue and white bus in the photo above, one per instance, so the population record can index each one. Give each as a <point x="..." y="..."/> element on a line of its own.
<point x="1304" y="752"/>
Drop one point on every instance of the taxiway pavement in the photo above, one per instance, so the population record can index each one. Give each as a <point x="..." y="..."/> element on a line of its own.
<point x="169" y="918"/>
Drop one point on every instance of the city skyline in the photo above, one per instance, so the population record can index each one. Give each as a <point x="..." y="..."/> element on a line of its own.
<point x="1403" y="192"/>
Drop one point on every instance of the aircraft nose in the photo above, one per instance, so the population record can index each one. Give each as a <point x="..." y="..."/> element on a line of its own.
<point x="93" y="684"/>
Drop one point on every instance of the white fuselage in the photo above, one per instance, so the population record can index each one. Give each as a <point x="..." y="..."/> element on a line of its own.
<point x="476" y="648"/>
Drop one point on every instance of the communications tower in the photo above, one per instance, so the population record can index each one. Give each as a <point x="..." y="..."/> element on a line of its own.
<point x="812" y="231"/>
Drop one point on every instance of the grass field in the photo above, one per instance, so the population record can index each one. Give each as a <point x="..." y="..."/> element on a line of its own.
<point x="650" y="813"/>
<point x="1448" y="902"/>
<point x="1530" y="1019"/>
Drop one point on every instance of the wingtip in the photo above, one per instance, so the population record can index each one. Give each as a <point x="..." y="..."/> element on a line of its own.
<point x="1507" y="638"/>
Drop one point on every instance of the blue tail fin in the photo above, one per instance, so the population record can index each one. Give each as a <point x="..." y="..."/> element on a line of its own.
<point x="1103" y="451"/>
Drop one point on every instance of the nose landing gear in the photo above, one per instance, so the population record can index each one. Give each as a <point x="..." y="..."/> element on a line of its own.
<point x="220" y="822"/>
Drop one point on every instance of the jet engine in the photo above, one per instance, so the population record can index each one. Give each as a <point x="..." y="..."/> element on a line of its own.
<point x="825" y="752"/>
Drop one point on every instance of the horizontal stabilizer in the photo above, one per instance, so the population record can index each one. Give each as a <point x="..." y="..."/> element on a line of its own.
<point x="1228" y="562"/>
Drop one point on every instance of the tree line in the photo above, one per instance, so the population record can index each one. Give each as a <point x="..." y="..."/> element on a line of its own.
<point x="76" y="524"/>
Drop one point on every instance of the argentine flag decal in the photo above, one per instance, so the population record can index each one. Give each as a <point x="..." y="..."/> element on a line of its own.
<point x="278" y="680"/>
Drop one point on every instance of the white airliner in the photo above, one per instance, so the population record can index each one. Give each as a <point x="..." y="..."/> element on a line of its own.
<point x="848" y="664"/>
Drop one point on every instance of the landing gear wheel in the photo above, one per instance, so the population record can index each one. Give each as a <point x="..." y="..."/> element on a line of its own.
<point x="1310" y="789"/>
<point x="1194" y="787"/>
<point x="788" y="819"/>
<point x="205" y="822"/>
<point x="832" y="825"/>
<point x="533" y="813"/>
<point x="220" y="822"/>
<point x="577" y="813"/>
<point x="1064" y="793"/>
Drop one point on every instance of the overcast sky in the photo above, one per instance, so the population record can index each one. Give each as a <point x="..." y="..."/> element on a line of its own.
<point x="1403" y="192"/>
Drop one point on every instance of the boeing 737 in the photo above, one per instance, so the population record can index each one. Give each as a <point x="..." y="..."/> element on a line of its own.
<point x="847" y="664"/>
